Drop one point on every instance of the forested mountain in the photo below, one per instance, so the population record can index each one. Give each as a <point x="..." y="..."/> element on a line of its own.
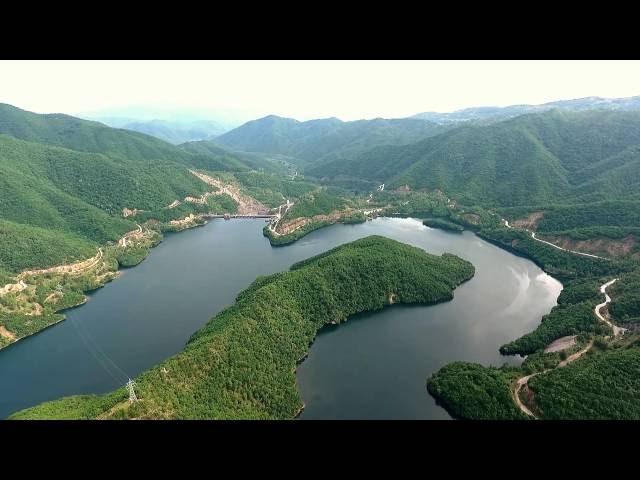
<point x="571" y="175"/>
<point x="554" y="156"/>
<point x="206" y="150"/>
<point x="64" y="183"/>
<point x="493" y="114"/>
<point x="323" y="139"/>
<point x="177" y="132"/>
<point x="88" y="136"/>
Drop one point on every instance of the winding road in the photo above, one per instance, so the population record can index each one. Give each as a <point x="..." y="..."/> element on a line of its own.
<point x="75" y="268"/>
<point x="274" y="225"/>
<point x="617" y="331"/>
<point x="123" y="241"/>
<point x="533" y="235"/>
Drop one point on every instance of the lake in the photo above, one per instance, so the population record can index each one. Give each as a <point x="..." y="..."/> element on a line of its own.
<point x="373" y="366"/>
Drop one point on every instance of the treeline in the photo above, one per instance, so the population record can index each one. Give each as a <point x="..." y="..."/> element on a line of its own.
<point x="317" y="202"/>
<point x="597" y="214"/>
<point x="537" y="159"/>
<point x="471" y="391"/>
<point x="282" y="240"/>
<point x="563" y="320"/>
<point x="132" y="255"/>
<point x="625" y="295"/>
<point x="563" y="265"/>
<point x="443" y="224"/>
<point x="604" y="385"/>
<point x="242" y="363"/>
<point x="73" y="178"/>
<point x="25" y="247"/>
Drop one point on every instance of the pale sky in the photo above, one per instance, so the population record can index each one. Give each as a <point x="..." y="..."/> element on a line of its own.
<point x="304" y="90"/>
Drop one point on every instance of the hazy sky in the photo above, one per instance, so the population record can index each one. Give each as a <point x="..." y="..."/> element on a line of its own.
<point x="307" y="89"/>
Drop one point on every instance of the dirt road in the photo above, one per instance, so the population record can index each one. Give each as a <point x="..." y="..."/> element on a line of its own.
<point x="521" y="382"/>
<point x="617" y="331"/>
<point x="73" y="268"/>
<point x="533" y="235"/>
<point x="276" y="220"/>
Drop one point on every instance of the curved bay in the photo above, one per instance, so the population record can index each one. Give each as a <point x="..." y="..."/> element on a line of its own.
<point x="373" y="366"/>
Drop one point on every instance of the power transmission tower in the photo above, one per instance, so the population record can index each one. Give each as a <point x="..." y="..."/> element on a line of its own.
<point x="132" y="393"/>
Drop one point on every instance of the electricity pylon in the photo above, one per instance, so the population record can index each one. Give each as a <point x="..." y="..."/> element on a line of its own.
<point x="132" y="393"/>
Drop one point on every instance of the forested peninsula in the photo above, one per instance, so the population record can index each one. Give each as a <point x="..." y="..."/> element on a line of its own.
<point x="242" y="363"/>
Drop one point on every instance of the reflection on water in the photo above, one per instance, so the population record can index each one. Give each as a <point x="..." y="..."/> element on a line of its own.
<point x="373" y="366"/>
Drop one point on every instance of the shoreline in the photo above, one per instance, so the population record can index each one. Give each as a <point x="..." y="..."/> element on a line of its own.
<point x="120" y="268"/>
<point x="617" y="331"/>
<point x="117" y="273"/>
<point x="9" y="345"/>
<point x="461" y="270"/>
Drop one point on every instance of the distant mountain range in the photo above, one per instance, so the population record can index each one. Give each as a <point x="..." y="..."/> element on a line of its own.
<point x="326" y="139"/>
<point x="492" y="114"/>
<point x="317" y="139"/>
<point x="176" y="125"/>
<point x="175" y="132"/>
<point x="579" y="151"/>
<point x="538" y="158"/>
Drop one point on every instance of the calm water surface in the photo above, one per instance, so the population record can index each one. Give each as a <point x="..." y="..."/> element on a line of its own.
<point x="373" y="366"/>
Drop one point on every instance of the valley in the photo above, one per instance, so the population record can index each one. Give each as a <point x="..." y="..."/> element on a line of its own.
<point x="558" y="185"/>
<point x="132" y="321"/>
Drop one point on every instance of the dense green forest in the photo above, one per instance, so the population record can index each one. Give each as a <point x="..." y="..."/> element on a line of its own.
<point x="536" y="159"/>
<point x="241" y="364"/>
<point x="64" y="183"/>
<point x="476" y="392"/>
<point x="468" y="390"/>
<point x="308" y="143"/>
<point x="317" y="202"/>
<point x="106" y="183"/>
<point x="604" y="385"/>
<point x="27" y="247"/>
<point x="626" y="308"/>
<point x="87" y="136"/>
<point x="210" y="156"/>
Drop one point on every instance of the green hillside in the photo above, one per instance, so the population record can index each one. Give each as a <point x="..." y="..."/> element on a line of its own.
<point x="175" y="132"/>
<point x="207" y="155"/>
<point x="323" y="139"/>
<point x="603" y="386"/>
<point x="65" y="181"/>
<point x="532" y="159"/>
<point x="87" y="136"/>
